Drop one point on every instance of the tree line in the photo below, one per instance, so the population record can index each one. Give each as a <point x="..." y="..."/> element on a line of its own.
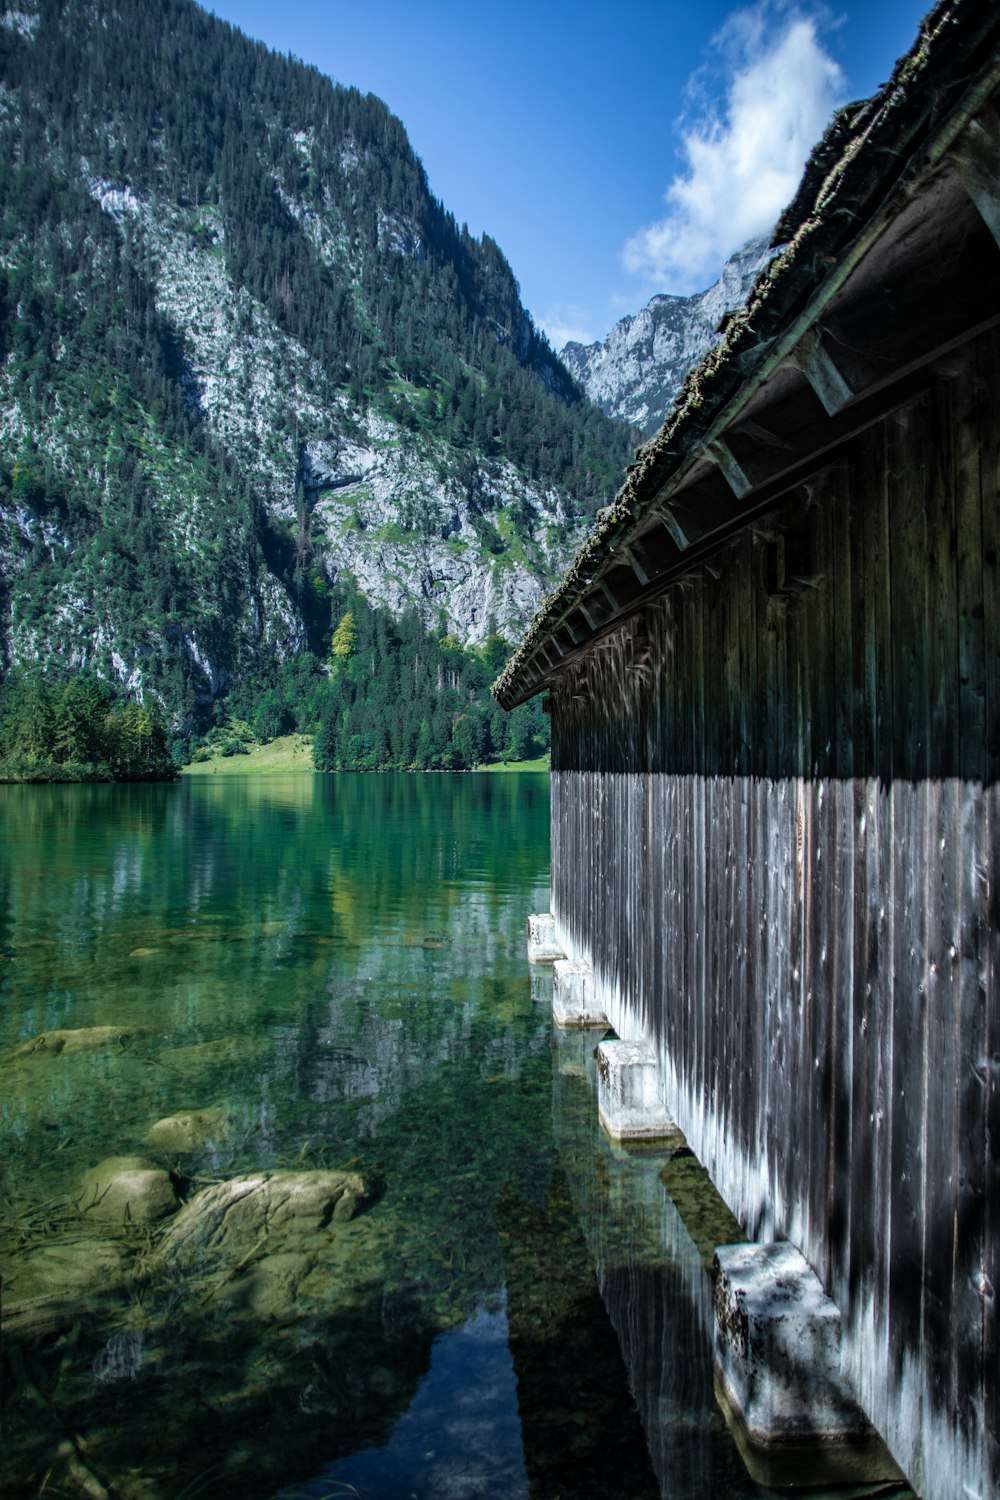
<point x="390" y="695"/>
<point x="77" y="728"/>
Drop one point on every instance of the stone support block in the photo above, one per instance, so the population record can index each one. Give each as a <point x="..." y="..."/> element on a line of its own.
<point x="574" y="1002"/>
<point x="628" y="1093"/>
<point x="778" y="1373"/>
<point x="543" y="945"/>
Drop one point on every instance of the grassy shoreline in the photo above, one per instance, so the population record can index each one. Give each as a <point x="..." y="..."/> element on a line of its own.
<point x="293" y="753"/>
<point x="289" y="752"/>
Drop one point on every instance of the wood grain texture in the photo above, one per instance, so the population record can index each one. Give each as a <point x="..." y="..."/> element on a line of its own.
<point x="776" y="834"/>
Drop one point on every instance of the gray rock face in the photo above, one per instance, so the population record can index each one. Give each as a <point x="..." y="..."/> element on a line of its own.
<point x="636" y="371"/>
<point x="395" y="510"/>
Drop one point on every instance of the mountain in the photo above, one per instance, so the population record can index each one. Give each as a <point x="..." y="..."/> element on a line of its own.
<point x="635" y="373"/>
<point x="250" y="368"/>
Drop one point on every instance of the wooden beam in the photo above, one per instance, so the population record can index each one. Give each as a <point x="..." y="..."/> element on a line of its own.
<point x="763" y="436"/>
<point x="839" y="432"/>
<point x="629" y="554"/>
<point x="609" y="595"/>
<point x="721" y="453"/>
<point x="977" y="161"/>
<point x="818" y="366"/>
<point x="674" y="527"/>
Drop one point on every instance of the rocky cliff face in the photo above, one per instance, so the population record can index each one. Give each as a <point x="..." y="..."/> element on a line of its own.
<point x="409" y="519"/>
<point x="247" y="358"/>
<point x="636" y="372"/>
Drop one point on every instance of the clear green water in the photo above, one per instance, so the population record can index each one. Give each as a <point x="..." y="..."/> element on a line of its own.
<point x="334" y="968"/>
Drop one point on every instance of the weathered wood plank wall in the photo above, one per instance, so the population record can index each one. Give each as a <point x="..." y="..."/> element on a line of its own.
<point x="776" y="835"/>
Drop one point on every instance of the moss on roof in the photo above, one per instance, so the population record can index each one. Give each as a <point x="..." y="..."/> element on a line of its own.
<point x="867" y="150"/>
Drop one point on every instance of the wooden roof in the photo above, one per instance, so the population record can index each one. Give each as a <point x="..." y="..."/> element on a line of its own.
<point x="890" y="256"/>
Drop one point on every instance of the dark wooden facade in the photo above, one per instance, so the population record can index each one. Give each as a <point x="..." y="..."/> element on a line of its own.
<point x="774" y="684"/>
<point x="776" y="833"/>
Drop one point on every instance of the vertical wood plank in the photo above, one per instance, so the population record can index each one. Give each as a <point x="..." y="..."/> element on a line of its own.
<point x="939" y="837"/>
<point x="989" y="1282"/>
<point x="844" y="507"/>
<point x="910" y="764"/>
<point x="989" y="456"/>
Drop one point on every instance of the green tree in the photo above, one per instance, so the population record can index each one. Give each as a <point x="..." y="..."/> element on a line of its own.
<point x="28" y="726"/>
<point x="469" y="736"/>
<point x="345" y="639"/>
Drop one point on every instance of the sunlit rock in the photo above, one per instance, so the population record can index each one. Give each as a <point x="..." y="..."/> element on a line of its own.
<point x="127" y="1190"/>
<point x="265" y="1212"/>
<point x="188" y="1130"/>
<point x="86" y="1039"/>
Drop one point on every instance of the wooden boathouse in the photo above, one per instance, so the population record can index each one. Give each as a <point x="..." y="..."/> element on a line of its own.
<point x="773" y="675"/>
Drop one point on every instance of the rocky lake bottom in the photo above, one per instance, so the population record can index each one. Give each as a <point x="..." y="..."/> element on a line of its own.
<point x="303" y="1195"/>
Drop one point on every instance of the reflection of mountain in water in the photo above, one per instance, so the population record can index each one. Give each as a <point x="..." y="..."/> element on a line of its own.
<point x="460" y="1438"/>
<point x="158" y="883"/>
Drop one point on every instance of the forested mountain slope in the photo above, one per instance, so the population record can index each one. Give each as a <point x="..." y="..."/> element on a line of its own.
<point x="247" y="361"/>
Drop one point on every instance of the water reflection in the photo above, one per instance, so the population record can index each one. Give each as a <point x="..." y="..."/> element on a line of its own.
<point x="303" y="977"/>
<point x="331" y="971"/>
<point x="653" y="1285"/>
<point x="460" y="1438"/>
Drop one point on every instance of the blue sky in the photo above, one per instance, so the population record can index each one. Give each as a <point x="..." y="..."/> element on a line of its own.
<point x="612" y="150"/>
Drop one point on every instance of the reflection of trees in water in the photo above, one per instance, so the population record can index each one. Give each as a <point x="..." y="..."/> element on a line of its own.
<point x="407" y="1040"/>
<point x="92" y="873"/>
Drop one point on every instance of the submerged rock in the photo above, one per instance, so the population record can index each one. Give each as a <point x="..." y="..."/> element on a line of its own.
<point x="269" y="1211"/>
<point x="188" y="1130"/>
<point x="86" y="1039"/>
<point x="48" y="1286"/>
<point x="235" y="1051"/>
<point x="127" y="1190"/>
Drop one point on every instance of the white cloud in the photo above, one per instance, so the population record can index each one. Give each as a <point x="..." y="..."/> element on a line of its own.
<point x="745" y="159"/>
<point x="567" y="323"/>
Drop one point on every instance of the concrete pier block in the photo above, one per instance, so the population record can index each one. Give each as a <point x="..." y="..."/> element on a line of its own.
<point x="543" y="945"/>
<point x="574" y="1002"/>
<point x="628" y="1093"/>
<point x="778" y="1373"/>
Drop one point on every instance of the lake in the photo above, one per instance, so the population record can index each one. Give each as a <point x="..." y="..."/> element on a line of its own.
<point x="302" y="981"/>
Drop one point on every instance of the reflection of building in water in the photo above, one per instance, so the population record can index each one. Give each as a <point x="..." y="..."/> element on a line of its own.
<point x="581" y="1432"/>
<point x="652" y="1284"/>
